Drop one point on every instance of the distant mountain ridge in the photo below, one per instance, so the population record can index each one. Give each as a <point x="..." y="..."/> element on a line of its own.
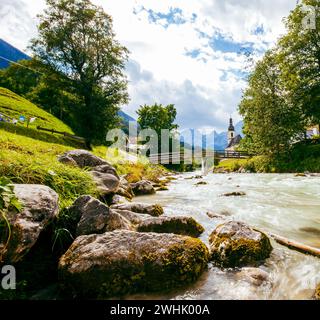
<point x="9" y="52"/>
<point x="214" y="140"/>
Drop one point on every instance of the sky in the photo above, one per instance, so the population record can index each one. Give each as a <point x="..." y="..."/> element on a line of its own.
<point x="187" y="52"/>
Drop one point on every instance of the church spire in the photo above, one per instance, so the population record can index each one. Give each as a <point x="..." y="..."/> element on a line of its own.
<point x="231" y="127"/>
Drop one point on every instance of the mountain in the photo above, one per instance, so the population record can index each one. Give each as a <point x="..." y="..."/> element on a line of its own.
<point x="215" y="140"/>
<point x="9" y="52"/>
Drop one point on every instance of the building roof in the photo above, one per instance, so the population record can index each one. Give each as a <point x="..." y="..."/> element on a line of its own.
<point x="234" y="141"/>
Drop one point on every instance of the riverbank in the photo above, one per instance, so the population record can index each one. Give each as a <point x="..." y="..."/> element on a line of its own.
<point x="303" y="158"/>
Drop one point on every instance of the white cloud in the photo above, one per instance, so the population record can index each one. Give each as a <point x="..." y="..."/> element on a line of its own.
<point x="206" y="89"/>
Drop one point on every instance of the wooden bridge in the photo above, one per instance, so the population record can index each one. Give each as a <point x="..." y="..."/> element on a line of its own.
<point x="189" y="156"/>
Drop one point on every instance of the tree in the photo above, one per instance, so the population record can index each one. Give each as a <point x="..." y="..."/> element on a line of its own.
<point x="44" y="87"/>
<point x="158" y="117"/>
<point x="75" y="38"/>
<point x="299" y="56"/>
<point x="20" y="78"/>
<point x="270" y="121"/>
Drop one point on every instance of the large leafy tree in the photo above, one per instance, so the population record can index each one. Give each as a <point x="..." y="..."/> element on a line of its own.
<point x="270" y="121"/>
<point x="299" y="53"/>
<point x="76" y="39"/>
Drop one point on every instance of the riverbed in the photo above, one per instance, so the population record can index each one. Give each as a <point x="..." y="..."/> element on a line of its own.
<point x="279" y="203"/>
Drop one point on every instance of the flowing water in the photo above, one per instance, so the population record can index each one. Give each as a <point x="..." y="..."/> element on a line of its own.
<point x="279" y="203"/>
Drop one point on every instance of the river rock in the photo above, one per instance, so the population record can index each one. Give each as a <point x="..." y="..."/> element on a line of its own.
<point x="213" y="215"/>
<point x="121" y="262"/>
<point x="200" y="183"/>
<point x="96" y="217"/>
<point x="133" y="217"/>
<point x="106" y="168"/>
<point x="236" y="244"/>
<point x="40" y="206"/>
<point x="124" y="189"/>
<point x="254" y="276"/>
<point x="82" y="158"/>
<point x="106" y="183"/>
<point x="154" y="210"/>
<point x="117" y="199"/>
<point x="142" y="187"/>
<point x="178" y="225"/>
<point x="235" y="194"/>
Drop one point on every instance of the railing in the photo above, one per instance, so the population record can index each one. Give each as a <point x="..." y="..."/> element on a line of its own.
<point x="66" y="134"/>
<point x="177" y="157"/>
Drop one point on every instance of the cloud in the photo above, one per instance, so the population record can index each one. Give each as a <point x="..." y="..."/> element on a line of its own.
<point x="197" y="106"/>
<point x="17" y="22"/>
<point x="189" y="53"/>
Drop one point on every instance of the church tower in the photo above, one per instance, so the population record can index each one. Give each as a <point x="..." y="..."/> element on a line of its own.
<point x="231" y="133"/>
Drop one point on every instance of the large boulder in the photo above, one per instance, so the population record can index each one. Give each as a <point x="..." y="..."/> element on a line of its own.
<point x="122" y="262"/>
<point x="142" y="187"/>
<point x="96" y="217"/>
<point x="236" y="244"/>
<point x="82" y="158"/>
<point x="107" y="184"/>
<point x="179" y="225"/>
<point x="40" y="206"/>
<point x="154" y="210"/>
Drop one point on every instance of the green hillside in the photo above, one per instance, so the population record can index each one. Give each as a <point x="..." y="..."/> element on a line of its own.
<point x="14" y="106"/>
<point x="28" y="155"/>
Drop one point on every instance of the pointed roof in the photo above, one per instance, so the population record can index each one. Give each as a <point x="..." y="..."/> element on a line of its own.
<point x="234" y="141"/>
<point x="231" y="127"/>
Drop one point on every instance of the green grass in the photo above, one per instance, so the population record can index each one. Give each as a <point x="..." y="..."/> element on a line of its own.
<point x="15" y="106"/>
<point x="232" y="164"/>
<point x="26" y="160"/>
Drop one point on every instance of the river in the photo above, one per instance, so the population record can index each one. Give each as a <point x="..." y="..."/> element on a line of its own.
<point x="279" y="203"/>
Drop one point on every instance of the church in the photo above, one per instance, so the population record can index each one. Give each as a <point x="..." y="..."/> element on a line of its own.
<point x="233" y="139"/>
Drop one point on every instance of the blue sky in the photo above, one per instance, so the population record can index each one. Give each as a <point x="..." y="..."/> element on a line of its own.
<point x="187" y="52"/>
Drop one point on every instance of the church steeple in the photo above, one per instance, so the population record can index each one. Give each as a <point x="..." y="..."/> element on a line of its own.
<point x="231" y="133"/>
<point x="231" y="127"/>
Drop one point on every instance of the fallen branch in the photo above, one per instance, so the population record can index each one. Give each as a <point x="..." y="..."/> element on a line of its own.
<point x="296" y="245"/>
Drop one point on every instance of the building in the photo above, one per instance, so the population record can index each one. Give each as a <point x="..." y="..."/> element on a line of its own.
<point x="233" y="138"/>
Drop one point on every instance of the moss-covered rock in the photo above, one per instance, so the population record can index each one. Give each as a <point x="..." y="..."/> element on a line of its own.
<point x="154" y="210"/>
<point x="236" y="244"/>
<point x="121" y="262"/>
<point x="179" y="225"/>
